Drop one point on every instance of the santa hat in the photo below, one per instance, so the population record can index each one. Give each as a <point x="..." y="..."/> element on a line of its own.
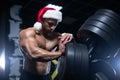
<point x="49" y="11"/>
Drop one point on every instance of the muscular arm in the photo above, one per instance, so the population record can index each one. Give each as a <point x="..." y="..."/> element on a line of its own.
<point x="29" y="45"/>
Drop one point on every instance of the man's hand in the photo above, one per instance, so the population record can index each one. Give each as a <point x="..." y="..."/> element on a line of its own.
<point x="66" y="37"/>
<point x="61" y="46"/>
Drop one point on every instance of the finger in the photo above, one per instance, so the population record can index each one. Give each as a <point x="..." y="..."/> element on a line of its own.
<point x="66" y="37"/>
<point x="69" y="37"/>
<point x="63" y="38"/>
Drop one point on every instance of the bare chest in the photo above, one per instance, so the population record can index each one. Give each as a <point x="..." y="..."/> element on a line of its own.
<point x="46" y="44"/>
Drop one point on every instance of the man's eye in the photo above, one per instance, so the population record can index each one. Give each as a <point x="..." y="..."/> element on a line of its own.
<point x="50" y="24"/>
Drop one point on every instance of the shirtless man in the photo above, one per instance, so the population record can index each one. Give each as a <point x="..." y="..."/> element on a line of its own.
<point x="37" y="43"/>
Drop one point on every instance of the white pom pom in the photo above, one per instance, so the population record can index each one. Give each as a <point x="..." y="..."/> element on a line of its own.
<point x="37" y="26"/>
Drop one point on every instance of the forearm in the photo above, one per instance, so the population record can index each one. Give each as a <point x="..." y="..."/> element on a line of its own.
<point x="44" y="55"/>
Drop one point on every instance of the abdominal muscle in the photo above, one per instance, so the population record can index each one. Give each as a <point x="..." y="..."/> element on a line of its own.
<point x="35" y="67"/>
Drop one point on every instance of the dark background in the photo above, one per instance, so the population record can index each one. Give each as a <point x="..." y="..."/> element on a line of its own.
<point x="75" y="12"/>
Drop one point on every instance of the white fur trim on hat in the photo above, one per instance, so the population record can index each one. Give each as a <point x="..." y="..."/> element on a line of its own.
<point x="56" y="7"/>
<point x="37" y="26"/>
<point x="55" y="14"/>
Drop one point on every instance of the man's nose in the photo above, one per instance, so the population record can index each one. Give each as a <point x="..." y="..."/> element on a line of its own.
<point x="53" y="27"/>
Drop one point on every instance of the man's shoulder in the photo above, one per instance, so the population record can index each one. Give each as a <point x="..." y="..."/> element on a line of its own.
<point x="27" y="31"/>
<point x="30" y="29"/>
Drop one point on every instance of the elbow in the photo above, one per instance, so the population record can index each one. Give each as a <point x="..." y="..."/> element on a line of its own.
<point x="35" y="54"/>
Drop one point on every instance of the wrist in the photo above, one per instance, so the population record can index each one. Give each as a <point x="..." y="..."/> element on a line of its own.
<point x="59" y="52"/>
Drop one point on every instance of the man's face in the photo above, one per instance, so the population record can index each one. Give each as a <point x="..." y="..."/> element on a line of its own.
<point x="49" y="24"/>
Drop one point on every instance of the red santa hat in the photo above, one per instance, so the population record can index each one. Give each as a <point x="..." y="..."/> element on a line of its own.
<point x="49" y="11"/>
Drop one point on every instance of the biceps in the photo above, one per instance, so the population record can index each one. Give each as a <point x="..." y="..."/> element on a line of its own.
<point x="29" y="46"/>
